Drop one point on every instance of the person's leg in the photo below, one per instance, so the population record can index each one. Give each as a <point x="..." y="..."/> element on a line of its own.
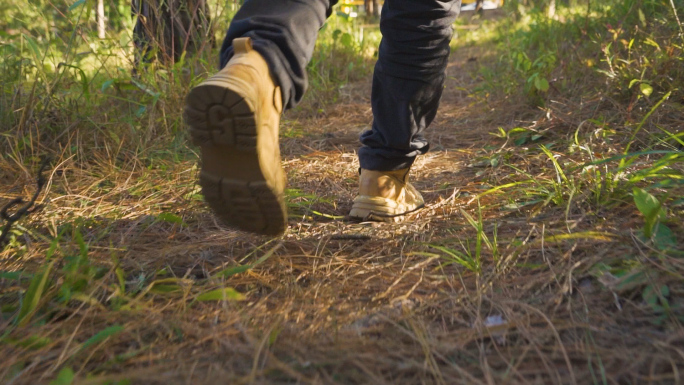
<point x="408" y="80"/>
<point x="284" y="32"/>
<point x="235" y="114"/>
<point x="407" y="86"/>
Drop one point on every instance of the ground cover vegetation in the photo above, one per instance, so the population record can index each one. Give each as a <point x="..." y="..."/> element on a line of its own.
<point x="550" y="251"/>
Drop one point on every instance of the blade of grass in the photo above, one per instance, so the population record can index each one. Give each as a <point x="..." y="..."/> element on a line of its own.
<point x="225" y="273"/>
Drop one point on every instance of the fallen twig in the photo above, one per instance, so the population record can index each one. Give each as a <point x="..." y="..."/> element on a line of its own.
<point x="26" y="210"/>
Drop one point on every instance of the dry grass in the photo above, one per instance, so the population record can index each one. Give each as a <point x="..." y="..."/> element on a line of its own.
<point x="341" y="302"/>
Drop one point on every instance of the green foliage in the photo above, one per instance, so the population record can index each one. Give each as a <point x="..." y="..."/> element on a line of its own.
<point x="65" y="376"/>
<point x="34" y="295"/>
<point x="614" y="45"/>
<point x="66" y="91"/>
<point x="465" y="259"/>
<point x="69" y="277"/>
<point x="342" y="55"/>
<point x="519" y="135"/>
<point x="471" y="258"/>
<point x="301" y="204"/>
<point x="654" y="213"/>
<point x="57" y="74"/>
<point x="37" y="288"/>
<point x="631" y="54"/>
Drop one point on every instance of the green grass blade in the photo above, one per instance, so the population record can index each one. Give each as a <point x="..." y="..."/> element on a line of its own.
<point x="64" y="377"/>
<point x="497" y="188"/>
<point x="34" y="294"/>
<point x="556" y="165"/>
<point x="242" y="268"/>
<point x="223" y="294"/>
<point x="101" y="336"/>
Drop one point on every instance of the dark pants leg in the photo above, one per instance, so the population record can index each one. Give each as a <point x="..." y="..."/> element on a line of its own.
<point x="284" y="32"/>
<point x="408" y="78"/>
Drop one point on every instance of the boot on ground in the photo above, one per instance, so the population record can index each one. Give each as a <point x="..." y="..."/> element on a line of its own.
<point x="385" y="196"/>
<point x="234" y="118"/>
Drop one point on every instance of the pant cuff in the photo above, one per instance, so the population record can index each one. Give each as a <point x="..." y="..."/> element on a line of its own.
<point x="370" y="161"/>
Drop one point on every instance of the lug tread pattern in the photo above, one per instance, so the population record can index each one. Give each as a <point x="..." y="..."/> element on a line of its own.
<point x="218" y="116"/>
<point x="250" y="206"/>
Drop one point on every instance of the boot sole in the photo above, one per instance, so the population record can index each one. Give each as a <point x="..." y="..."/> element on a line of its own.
<point x="225" y="126"/>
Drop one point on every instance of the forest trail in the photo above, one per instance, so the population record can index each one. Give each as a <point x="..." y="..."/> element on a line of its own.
<point x="482" y="286"/>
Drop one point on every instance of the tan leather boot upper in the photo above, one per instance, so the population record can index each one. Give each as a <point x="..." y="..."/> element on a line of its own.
<point x="234" y="118"/>
<point x="385" y="196"/>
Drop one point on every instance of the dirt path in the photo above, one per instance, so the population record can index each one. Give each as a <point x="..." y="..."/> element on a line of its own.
<point x="339" y="302"/>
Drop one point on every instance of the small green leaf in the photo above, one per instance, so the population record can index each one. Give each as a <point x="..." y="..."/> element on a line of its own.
<point x="34" y="47"/>
<point x="647" y="204"/>
<point x="223" y="294"/>
<point x="76" y="4"/>
<point x="170" y="218"/>
<point x="541" y="84"/>
<point x="347" y="40"/>
<point x="64" y="377"/>
<point x="664" y="239"/>
<point x="650" y="208"/>
<point x="273" y="336"/>
<point x="521" y="140"/>
<point x="145" y="88"/>
<point x="653" y="294"/>
<point x="646" y="89"/>
<point x="102" y="335"/>
<point x="642" y="18"/>
<point x="106" y="85"/>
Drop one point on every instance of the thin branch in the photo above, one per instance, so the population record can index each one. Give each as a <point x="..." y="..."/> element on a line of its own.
<point x="24" y="211"/>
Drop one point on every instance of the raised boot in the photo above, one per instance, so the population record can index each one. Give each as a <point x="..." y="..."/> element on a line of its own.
<point x="385" y="196"/>
<point x="234" y="117"/>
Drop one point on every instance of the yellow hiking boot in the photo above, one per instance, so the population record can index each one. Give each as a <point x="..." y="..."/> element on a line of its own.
<point x="234" y="118"/>
<point x="385" y="196"/>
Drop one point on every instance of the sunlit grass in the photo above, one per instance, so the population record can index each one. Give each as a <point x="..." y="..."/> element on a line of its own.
<point x="554" y="212"/>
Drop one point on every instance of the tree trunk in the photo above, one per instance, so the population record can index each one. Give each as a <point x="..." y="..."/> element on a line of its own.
<point x="368" y="7"/>
<point x="552" y="9"/>
<point x="100" y="19"/>
<point x="166" y="28"/>
<point x="376" y="8"/>
<point x="479" y="7"/>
